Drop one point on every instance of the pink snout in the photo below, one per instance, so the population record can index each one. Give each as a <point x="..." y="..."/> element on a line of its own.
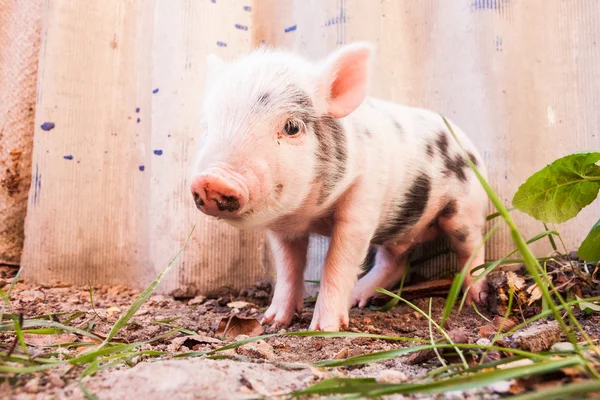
<point x="219" y="194"/>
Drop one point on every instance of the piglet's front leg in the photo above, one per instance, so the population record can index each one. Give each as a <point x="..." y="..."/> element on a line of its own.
<point x="348" y="248"/>
<point x="290" y="261"/>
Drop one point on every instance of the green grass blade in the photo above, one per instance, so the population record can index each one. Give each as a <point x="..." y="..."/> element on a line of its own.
<point x="141" y="299"/>
<point x="89" y="357"/>
<point x="562" y="391"/>
<point x="460" y="278"/>
<point x="389" y="354"/>
<point x="14" y="282"/>
<point x="32" y="323"/>
<point x="481" y="379"/>
<point x="91" y="369"/>
<point x="417" y="309"/>
<point x="393" y="302"/>
<point x="354" y="335"/>
<point x="85" y="392"/>
<point x="531" y="263"/>
<point x="551" y="239"/>
<point x="340" y="386"/>
<point x="7" y="369"/>
<point x="431" y="339"/>
<point x="497" y="214"/>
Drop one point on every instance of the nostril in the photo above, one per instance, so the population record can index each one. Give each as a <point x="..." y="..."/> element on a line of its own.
<point x="229" y="203"/>
<point x="198" y="200"/>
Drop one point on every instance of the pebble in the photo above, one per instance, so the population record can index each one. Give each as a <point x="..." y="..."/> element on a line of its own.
<point x="33" y="386"/>
<point x="197" y="300"/>
<point x="56" y="381"/>
<point x="391" y="376"/>
<point x="258" y="349"/>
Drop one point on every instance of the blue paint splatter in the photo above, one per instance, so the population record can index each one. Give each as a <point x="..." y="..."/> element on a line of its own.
<point x="487" y="4"/>
<point x="158" y="152"/>
<point x="291" y="28"/>
<point x="221" y="44"/>
<point x="155" y="91"/>
<point x="213" y="1"/>
<point x="498" y="43"/>
<point x="36" y="184"/>
<point x="69" y="157"/>
<point x="241" y="27"/>
<point x="138" y="120"/>
<point x="141" y="167"/>
<point x="247" y="8"/>
<point x="137" y="110"/>
<point x="47" y="126"/>
<point x="169" y="135"/>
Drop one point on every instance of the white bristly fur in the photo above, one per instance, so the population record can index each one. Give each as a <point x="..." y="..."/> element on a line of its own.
<point x="386" y="151"/>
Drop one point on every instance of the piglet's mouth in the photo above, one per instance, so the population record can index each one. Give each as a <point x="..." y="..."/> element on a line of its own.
<point x="219" y="193"/>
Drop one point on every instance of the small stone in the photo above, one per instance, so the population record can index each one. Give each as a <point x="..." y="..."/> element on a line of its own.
<point x="31" y="296"/>
<point x="33" y="386"/>
<point x="258" y="349"/>
<point x="501" y="386"/>
<point x="56" y="381"/>
<point x="261" y="294"/>
<point x="483" y="342"/>
<point x="342" y="354"/>
<point x="563" y="347"/>
<point x="391" y="376"/>
<point x="197" y="300"/>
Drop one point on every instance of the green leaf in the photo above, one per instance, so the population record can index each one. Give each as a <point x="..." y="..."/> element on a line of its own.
<point x="590" y="247"/>
<point x="559" y="191"/>
<point x="586" y="306"/>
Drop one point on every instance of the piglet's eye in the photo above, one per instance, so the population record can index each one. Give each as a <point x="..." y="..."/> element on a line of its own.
<point x="291" y="128"/>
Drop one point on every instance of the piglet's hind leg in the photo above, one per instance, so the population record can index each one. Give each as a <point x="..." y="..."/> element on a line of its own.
<point x="385" y="273"/>
<point x="465" y="231"/>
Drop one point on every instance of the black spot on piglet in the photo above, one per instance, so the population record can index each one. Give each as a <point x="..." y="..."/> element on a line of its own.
<point x="461" y="234"/>
<point x="456" y="166"/>
<point x="408" y="212"/>
<point x="429" y="150"/>
<point x="472" y="158"/>
<point x="449" y="210"/>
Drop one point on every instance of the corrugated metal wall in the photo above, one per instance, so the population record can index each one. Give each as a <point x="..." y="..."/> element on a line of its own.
<point x="521" y="77"/>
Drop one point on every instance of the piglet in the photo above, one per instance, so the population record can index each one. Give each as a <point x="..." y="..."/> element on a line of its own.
<point x="296" y="147"/>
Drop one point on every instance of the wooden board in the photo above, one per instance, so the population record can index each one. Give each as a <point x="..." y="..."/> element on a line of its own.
<point x="520" y="77"/>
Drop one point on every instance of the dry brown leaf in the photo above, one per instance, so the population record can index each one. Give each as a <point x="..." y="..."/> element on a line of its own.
<point x="191" y="341"/>
<point x="504" y="323"/>
<point x="48" y="340"/>
<point x="515" y="281"/>
<point x="519" y="363"/>
<point x="113" y="310"/>
<point x="342" y="354"/>
<point x="534" y="294"/>
<point x="233" y="326"/>
<point x="486" y="331"/>
<point x="238" y="304"/>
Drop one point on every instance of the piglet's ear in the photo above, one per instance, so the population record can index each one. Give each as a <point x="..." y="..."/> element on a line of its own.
<point x="346" y="75"/>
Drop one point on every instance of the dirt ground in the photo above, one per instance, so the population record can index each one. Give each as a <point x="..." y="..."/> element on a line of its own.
<point x="261" y="369"/>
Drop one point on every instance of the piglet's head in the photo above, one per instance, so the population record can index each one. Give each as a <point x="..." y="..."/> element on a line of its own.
<point x="270" y="133"/>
